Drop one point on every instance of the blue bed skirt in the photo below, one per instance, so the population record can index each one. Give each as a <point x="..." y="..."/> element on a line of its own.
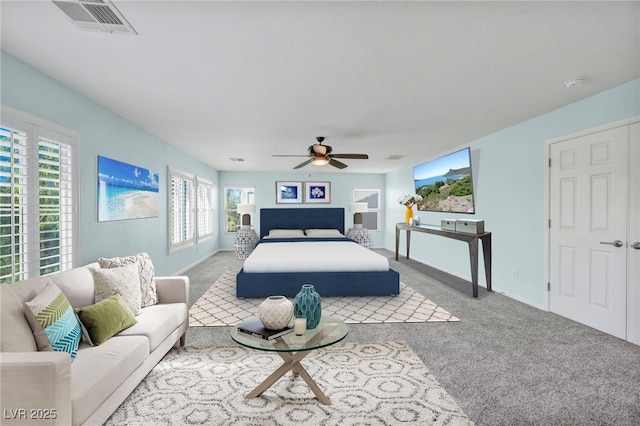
<point x="327" y="284"/>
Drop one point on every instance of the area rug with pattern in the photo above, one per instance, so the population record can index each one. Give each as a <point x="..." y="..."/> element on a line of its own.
<point x="367" y="383"/>
<point x="219" y="306"/>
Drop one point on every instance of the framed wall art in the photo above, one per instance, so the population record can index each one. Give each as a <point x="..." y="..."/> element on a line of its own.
<point x="317" y="192"/>
<point x="288" y="192"/>
<point x="126" y="191"/>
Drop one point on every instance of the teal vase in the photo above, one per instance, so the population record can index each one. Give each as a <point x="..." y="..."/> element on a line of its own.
<point x="307" y="305"/>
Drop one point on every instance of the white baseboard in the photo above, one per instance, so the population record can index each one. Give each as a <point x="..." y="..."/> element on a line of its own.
<point x="197" y="262"/>
<point x="484" y="284"/>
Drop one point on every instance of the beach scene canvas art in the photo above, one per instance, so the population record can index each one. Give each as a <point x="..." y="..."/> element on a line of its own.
<point x="126" y="191"/>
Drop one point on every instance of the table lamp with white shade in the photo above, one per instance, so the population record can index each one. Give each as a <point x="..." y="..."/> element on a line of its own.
<point x="245" y="211"/>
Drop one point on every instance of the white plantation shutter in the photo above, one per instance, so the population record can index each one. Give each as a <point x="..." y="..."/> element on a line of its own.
<point x="205" y="218"/>
<point x="181" y="210"/>
<point x="37" y="197"/>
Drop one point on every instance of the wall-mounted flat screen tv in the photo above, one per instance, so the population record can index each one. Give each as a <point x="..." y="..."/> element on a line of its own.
<point x="446" y="183"/>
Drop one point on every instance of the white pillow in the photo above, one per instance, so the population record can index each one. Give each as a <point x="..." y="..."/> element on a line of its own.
<point x="286" y="233"/>
<point x="323" y="233"/>
<point x="124" y="280"/>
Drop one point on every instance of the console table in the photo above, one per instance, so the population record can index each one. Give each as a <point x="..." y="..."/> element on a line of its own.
<point x="471" y="239"/>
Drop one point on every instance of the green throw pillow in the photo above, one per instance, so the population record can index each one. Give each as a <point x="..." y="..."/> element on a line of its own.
<point x="106" y="318"/>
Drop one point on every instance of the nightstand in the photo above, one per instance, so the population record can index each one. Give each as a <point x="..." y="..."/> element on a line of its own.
<point x="360" y="236"/>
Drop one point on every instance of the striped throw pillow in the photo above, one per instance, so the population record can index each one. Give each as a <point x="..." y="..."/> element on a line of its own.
<point x="53" y="312"/>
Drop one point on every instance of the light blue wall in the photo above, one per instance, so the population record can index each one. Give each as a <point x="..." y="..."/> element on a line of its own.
<point x="508" y="171"/>
<point x="342" y="186"/>
<point x="105" y="133"/>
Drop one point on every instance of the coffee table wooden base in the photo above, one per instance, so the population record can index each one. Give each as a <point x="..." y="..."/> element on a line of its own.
<point x="291" y="362"/>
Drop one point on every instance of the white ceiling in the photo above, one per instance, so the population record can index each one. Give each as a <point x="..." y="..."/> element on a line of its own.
<point x="251" y="79"/>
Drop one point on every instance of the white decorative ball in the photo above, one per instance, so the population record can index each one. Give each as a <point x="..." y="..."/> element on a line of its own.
<point x="275" y="312"/>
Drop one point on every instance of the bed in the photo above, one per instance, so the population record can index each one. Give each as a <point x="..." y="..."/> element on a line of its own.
<point x="309" y="259"/>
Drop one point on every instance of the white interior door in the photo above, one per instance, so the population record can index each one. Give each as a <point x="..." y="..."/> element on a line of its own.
<point x="588" y="229"/>
<point x="633" y="250"/>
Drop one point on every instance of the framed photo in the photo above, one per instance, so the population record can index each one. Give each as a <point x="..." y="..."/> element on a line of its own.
<point x="288" y="192"/>
<point x="126" y="191"/>
<point x="317" y="192"/>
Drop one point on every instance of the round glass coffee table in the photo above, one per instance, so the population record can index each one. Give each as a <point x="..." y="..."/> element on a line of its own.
<point x="292" y="349"/>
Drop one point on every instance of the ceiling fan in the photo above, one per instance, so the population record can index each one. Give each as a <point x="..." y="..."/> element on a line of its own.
<point x="321" y="155"/>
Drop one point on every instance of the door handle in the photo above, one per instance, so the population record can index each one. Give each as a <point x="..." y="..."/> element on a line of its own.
<point x="636" y="245"/>
<point x="616" y="243"/>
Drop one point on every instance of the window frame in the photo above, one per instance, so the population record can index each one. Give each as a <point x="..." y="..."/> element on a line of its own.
<point x="188" y="203"/>
<point x="204" y="212"/>
<point x="359" y="199"/>
<point x="66" y="148"/>
<point x="247" y="196"/>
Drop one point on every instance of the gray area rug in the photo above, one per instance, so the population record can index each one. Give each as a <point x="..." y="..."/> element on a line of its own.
<point x="219" y="306"/>
<point x="368" y="384"/>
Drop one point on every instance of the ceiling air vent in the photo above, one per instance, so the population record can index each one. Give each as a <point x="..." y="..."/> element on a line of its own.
<point x="95" y="15"/>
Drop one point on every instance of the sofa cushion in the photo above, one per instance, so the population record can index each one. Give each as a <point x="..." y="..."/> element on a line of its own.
<point x="99" y="371"/>
<point x="51" y="310"/>
<point x="124" y="280"/>
<point x="15" y="333"/>
<point x="106" y="318"/>
<point x="145" y="270"/>
<point x="157" y="322"/>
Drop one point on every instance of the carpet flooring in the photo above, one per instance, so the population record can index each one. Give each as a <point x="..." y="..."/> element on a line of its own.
<point x="219" y="306"/>
<point x="368" y="384"/>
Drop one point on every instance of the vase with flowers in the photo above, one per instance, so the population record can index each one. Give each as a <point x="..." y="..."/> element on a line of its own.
<point x="409" y="200"/>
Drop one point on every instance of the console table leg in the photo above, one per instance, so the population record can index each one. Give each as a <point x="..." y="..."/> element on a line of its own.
<point x="473" y="256"/>
<point x="408" y="242"/>
<point x="486" y="251"/>
<point x="397" y="242"/>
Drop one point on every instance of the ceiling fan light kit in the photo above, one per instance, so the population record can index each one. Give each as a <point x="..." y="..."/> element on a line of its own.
<point x="321" y="155"/>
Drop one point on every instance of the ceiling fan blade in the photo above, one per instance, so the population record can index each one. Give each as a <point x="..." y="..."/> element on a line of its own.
<point x="303" y="164"/>
<point x="352" y="156"/>
<point x="288" y="155"/>
<point x="336" y="163"/>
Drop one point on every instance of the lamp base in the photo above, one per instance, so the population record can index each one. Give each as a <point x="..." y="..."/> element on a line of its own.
<point x="360" y="236"/>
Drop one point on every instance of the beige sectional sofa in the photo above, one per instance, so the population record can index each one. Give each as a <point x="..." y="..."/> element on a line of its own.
<point x="46" y="387"/>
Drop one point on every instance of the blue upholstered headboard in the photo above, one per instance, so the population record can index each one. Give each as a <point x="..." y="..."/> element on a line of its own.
<point x="301" y="218"/>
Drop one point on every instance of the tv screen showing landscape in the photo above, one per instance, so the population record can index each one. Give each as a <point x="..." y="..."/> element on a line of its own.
<point x="446" y="183"/>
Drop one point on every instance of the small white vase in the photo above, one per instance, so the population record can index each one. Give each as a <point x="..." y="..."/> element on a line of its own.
<point x="275" y="312"/>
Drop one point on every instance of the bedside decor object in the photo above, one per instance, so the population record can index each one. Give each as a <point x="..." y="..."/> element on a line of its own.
<point x="358" y="233"/>
<point x="246" y="238"/>
<point x="409" y="201"/>
<point x="275" y="312"/>
<point x="245" y="210"/>
<point x="307" y="304"/>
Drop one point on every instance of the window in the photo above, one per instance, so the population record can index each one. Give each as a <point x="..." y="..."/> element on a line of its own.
<point x="233" y="197"/>
<point x="38" y="197"/>
<point x="181" y="210"/>
<point x="205" y="206"/>
<point x="370" y="219"/>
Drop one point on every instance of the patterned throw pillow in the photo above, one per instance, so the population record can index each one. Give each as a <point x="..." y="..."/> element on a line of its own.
<point x="145" y="268"/>
<point x="123" y="280"/>
<point x="52" y="311"/>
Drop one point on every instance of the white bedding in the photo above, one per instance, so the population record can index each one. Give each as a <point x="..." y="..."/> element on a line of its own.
<point x="314" y="256"/>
